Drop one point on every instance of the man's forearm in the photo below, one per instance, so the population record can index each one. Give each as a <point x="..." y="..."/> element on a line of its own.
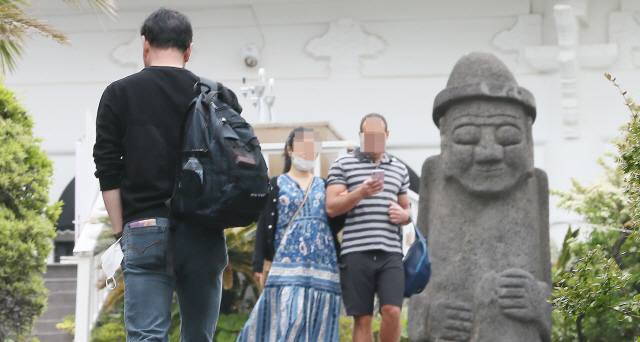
<point x="403" y="201"/>
<point x="113" y="203"/>
<point x="409" y="214"/>
<point x="338" y="205"/>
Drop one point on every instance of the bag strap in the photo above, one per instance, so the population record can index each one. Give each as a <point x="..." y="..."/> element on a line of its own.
<point x="419" y="235"/>
<point x="205" y="85"/>
<point x="297" y="211"/>
<point x="202" y="86"/>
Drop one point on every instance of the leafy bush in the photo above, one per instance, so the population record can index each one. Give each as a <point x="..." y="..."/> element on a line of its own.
<point x="596" y="278"/>
<point x="110" y="332"/>
<point x="229" y="327"/>
<point x="68" y="325"/>
<point x="597" y="290"/>
<point x="26" y="219"/>
<point x="346" y="328"/>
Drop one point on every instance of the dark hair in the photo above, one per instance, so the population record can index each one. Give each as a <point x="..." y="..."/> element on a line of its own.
<point x="167" y="29"/>
<point x="289" y="142"/>
<point x="374" y="115"/>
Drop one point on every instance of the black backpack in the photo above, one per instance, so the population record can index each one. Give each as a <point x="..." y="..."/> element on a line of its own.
<point x="222" y="181"/>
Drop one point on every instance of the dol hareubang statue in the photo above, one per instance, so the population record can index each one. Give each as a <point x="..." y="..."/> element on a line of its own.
<point x="484" y="208"/>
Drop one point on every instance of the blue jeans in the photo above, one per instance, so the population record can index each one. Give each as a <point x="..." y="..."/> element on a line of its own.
<point x="200" y="256"/>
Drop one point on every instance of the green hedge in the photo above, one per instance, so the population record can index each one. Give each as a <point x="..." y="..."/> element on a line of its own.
<point x="26" y="219"/>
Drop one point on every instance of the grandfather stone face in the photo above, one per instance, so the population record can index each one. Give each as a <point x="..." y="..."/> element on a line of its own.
<point x="487" y="145"/>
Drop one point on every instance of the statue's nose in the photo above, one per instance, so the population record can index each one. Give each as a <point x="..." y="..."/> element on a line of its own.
<point x="488" y="152"/>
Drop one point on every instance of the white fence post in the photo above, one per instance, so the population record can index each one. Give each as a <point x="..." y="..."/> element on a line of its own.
<point x="78" y="191"/>
<point x="88" y="205"/>
<point x="408" y="233"/>
<point x="83" y="295"/>
<point x="89" y="299"/>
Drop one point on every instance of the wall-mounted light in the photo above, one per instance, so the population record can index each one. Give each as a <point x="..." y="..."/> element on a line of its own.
<point x="250" y="55"/>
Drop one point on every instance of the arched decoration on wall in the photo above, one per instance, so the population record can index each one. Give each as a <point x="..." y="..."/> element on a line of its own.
<point x="65" y="238"/>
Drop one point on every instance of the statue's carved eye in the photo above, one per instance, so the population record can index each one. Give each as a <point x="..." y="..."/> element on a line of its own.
<point x="466" y="135"/>
<point x="508" y="135"/>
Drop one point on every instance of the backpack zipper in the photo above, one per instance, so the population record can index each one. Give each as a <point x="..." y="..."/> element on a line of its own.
<point x="222" y="122"/>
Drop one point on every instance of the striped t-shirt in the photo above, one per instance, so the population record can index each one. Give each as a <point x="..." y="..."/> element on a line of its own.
<point x="367" y="226"/>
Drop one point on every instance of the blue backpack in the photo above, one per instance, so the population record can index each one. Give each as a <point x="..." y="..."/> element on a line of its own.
<point x="417" y="265"/>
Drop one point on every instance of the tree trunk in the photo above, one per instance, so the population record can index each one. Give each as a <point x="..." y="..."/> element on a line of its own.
<point x="579" y="328"/>
<point x="615" y="250"/>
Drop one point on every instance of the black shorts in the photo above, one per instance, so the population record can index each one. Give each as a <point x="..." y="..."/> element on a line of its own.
<point x="362" y="274"/>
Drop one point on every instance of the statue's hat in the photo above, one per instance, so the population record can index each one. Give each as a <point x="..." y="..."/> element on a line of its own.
<point x="481" y="75"/>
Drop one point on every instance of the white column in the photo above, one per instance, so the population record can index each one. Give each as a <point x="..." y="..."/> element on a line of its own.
<point x="78" y="191"/>
<point x="83" y="297"/>
<point x="568" y="41"/>
<point x="318" y="168"/>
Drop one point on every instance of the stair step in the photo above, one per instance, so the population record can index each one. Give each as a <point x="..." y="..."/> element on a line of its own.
<point x="44" y="326"/>
<point x="54" y="337"/>
<point x="58" y="312"/>
<point x="61" y="284"/>
<point x="61" y="271"/>
<point x="62" y="299"/>
<point x="61" y="281"/>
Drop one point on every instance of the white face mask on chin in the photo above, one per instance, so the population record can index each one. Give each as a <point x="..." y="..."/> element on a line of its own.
<point x="302" y="164"/>
<point x="111" y="260"/>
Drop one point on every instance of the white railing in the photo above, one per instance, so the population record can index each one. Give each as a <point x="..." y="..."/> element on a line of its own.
<point x="87" y="187"/>
<point x="89" y="299"/>
<point x="408" y="233"/>
<point x="88" y="207"/>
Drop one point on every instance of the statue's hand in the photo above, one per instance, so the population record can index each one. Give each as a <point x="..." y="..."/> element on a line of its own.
<point x="519" y="295"/>
<point x="450" y="321"/>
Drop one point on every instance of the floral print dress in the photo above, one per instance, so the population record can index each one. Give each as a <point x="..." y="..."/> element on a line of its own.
<point x="301" y="298"/>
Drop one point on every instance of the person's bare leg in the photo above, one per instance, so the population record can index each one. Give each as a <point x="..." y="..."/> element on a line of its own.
<point x="391" y="325"/>
<point x="362" y="329"/>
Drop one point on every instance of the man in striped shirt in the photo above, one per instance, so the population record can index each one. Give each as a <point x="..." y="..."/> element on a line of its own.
<point x="371" y="257"/>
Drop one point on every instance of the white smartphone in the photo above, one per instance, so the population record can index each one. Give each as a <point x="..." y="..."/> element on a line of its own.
<point x="377" y="174"/>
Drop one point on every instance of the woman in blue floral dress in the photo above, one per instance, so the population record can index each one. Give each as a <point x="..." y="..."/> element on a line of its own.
<point x="301" y="297"/>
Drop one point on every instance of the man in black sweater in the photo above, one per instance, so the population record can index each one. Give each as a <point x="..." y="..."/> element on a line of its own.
<point x="136" y="152"/>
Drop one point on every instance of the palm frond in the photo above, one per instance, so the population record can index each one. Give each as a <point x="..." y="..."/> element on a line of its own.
<point x="9" y="52"/>
<point x="15" y="2"/>
<point x="15" y="27"/>
<point x="14" y="19"/>
<point x="107" y="7"/>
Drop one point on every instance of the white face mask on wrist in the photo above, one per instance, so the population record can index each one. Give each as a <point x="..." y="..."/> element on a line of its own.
<point x="302" y="164"/>
<point x="111" y="260"/>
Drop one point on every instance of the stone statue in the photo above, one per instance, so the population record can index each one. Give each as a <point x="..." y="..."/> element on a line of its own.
<point x="484" y="208"/>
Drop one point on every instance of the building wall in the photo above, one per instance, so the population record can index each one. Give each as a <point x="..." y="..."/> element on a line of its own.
<point x="338" y="60"/>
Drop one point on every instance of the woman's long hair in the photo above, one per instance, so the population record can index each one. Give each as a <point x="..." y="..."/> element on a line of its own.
<point x="289" y="142"/>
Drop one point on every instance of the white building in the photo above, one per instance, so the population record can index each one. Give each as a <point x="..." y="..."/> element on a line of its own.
<point x="337" y="60"/>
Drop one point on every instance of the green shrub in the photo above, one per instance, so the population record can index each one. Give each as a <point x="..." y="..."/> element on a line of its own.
<point x="596" y="277"/>
<point x="229" y="327"/>
<point x="346" y="328"/>
<point x="596" y="293"/>
<point x="68" y="325"/>
<point x="110" y="332"/>
<point x="26" y="219"/>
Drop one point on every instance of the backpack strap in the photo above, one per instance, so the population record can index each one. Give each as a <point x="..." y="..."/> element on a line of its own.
<point x="208" y="87"/>
<point x="419" y="235"/>
<point x="205" y="85"/>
